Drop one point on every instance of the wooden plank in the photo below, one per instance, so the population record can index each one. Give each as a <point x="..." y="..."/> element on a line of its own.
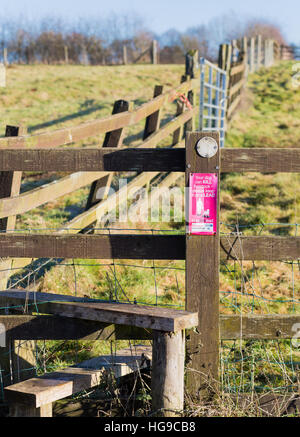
<point x="260" y="160"/>
<point x="30" y="327"/>
<point x="258" y="326"/>
<point x="38" y="392"/>
<point x="150" y="160"/>
<point x="46" y="193"/>
<point x="143" y="246"/>
<point x="108" y="159"/>
<point x="167" y="378"/>
<point x="92" y="246"/>
<point x="232" y="327"/>
<point x="163" y="319"/>
<point x="237" y="69"/>
<point x="92" y="128"/>
<point x="233" y="105"/>
<point x="23" y="410"/>
<point x="202" y="284"/>
<point x="236" y="87"/>
<point x="263" y="248"/>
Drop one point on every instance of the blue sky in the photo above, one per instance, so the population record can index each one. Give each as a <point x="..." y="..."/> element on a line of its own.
<point x="161" y="15"/>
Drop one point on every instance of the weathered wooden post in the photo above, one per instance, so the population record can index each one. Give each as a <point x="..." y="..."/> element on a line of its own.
<point x="17" y="359"/>
<point x="168" y="373"/>
<point x="258" y="63"/>
<point x="154" y="52"/>
<point x="245" y="51"/>
<point x="5" y="61"/>
<point x="66" y="54"/>
<point x="267" y="50"/>
<point x="222" y="56"/>
<point x="153" y="120"/>
<point x="252" y="55"/>
<point x="125" y="59"/>
<point x="202" y="273"/>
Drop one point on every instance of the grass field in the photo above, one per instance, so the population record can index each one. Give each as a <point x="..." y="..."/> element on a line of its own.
<point x="48" y="97"/>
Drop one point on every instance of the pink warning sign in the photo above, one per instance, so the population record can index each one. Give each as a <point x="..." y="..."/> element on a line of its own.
<point x="203" y="194"/>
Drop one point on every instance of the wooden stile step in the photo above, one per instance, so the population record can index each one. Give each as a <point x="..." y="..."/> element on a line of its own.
<point x="36" y="393"/>
<point x="161" y="319"/>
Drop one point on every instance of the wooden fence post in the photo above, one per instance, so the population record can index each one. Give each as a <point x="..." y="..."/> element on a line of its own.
<point x="18" y="358"/>
<point x="154" y="52"/>
<point x="66" y="54"/>
<point x="5" y="61"/>
<point x="202" y="284"/>
<point x="125" y="59"/>
<point x="222" y="56"/>
<point x="112" y="139"/>
<point x="228" y="57"/>
<point x="153" y="120"/>
<point x="252" y="55"/>
<point x="271" y="52"/>
<point x="267" y="53"/>
<point x="258" y="63"/>
<point x="245" y="51"/>
<point x="167" y="378"/>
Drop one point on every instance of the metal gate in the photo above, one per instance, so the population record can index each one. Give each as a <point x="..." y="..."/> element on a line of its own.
<point x="212" y="99"/>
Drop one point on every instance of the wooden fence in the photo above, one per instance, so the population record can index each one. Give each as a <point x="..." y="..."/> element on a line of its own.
<point x="202" y="253"/>
<point x="42" y="152"/>
<point x="241" y="57"/>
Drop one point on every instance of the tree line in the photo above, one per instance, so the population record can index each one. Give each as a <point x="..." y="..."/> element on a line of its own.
<point x="102" y="41"/>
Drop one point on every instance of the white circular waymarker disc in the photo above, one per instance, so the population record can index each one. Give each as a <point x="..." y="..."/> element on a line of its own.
<point x="207" y="147"/>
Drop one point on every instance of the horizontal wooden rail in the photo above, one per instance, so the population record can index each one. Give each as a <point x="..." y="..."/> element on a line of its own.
<point x="142" y="159"/>
<point x="232" y="327"/>
<point x="260" y="160"/>
<point x="162" y="319"/>
<point x="237" y="69"/>
<point x="46" y="193"/>
<point x="232" y="107"/>
<point x="30" y="327"/>
<point x="164" y="247"/>
<point x="264" y="248"/>
<point x="85" y="130"/>
<point x="235" y="88"/>
<point x="93" y="246"/>
<point x="105" y="159"/>
<point x="258" y="326"/>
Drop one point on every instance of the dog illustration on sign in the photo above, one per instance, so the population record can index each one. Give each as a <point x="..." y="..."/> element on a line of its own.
<point x="200" y="209"/>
